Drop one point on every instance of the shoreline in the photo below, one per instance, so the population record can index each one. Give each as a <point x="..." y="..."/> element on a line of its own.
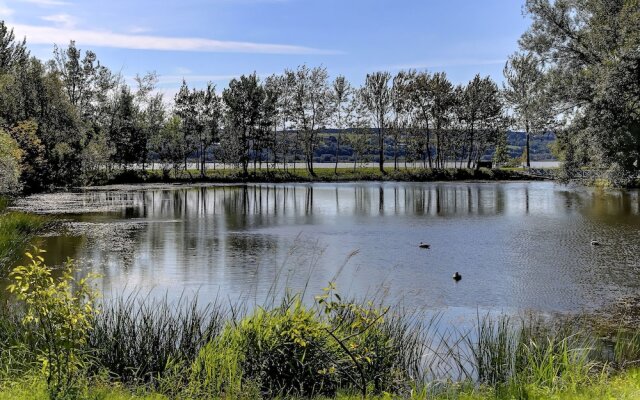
<point x="323" y="175"/>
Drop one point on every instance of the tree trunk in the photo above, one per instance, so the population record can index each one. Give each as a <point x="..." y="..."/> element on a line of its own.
<point x="470" y="149"/>
<point x="527" y="148"/>
<point x="381" y="150"/>
<point x="429" y="150"/>
<point x="335" y="170"/>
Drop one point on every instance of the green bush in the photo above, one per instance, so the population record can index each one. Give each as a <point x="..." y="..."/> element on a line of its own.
<point x="59" y="313"/>
<point x="283" y="351"/>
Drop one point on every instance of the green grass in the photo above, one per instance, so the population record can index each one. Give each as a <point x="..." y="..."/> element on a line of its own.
<point x="234" y="175"/>
<point x="4" y="203"/>
<point x="16" y="230"/>
<point x="622" y="386"/>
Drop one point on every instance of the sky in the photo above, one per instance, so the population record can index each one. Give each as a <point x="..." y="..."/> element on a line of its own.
<point x="216" y="40"/>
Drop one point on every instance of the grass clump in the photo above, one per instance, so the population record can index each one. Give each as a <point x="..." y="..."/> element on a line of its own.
<point x="282" y="351"/>
<point x="16" y="230"/>
<point x="138" y="341"/>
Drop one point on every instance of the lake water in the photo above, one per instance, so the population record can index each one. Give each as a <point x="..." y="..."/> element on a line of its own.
<point x="518" y="246"/>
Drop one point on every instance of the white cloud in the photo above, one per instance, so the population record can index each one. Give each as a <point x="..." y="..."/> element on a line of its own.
<point x="139" y="29"/>
<point x="61" y="20"/>
<point x="47" y="3"/>
<point x="183" y="70"/>
<point x="51" y="35"/>
<point x="5" y="11"/>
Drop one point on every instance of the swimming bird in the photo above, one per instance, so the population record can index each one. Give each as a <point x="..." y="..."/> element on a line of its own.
<point x="457" y="276"/>
<point x="595" y="243"/>
<point x="424" y="245"/>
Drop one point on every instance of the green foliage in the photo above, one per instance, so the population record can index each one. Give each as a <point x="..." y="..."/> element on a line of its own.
<point x="32" y="151"/>
<point x="10" y="158"/>
<point x="501" y="154"/>
<point x="16" y="229"/>
<point x="151" y="342"/>
<point x="59" y="313"/>
<point x="284" y="351"/>
<point x="296" y="351"/>
<point x="591" y="50"/>
<point x="370" y="353"/>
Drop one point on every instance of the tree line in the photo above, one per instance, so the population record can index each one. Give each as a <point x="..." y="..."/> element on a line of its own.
<point x="71" y="120"/>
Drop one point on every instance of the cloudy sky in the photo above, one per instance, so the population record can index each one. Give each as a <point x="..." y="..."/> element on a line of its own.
<point x="214" y="40"/>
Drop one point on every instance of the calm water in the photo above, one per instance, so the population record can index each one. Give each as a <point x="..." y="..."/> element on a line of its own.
<point x="517" y="245"/>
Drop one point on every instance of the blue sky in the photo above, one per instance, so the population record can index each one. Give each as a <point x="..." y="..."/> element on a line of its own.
<point x="218" y="39"/>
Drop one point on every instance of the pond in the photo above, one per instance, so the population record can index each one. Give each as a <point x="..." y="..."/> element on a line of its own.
<point x="518" y="246"/>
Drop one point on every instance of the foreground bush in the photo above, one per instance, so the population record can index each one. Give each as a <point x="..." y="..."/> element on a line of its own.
<point x="53" y="333"/>
<point x="58" y="315"/>
<point x="284" y="351"/>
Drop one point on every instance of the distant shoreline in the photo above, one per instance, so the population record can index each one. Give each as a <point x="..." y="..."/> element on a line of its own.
<point x="235" y="175"/>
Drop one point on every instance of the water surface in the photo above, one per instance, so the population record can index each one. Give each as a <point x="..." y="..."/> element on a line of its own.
<point x="519" y="246"/>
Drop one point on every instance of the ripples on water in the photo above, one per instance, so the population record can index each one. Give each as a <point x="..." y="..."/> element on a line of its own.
<point x="517" y="245"/>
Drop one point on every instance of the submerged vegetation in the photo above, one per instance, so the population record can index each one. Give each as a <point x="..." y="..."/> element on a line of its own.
<point x="329" y="347"/>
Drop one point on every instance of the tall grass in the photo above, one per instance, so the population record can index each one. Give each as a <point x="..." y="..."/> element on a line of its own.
<point x="291" y="348"/>
<point x="16" y="230"/>
<point x="185" y="349"/>
<point x="4" y="203"/>
<point x="139" y="340"/>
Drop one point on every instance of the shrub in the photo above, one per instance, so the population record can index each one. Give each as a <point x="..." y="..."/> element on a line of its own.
<point x="59" y="313"/>
<point x="283" y="351"/>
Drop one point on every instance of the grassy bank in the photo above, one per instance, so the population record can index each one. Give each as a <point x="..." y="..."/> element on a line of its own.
<point x="321" y="175"/>
<point x="622" y="386"/>
<point x="325" y="348"/>
<point x="16" y="230"/>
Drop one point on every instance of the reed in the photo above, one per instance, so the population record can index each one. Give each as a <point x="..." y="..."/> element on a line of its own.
<point x="16" y="230"/>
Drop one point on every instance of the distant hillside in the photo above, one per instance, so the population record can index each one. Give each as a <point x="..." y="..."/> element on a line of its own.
<point x="540" y="150"/>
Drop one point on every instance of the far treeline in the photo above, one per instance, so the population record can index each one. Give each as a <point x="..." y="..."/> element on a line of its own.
<point x="72" y="121"/>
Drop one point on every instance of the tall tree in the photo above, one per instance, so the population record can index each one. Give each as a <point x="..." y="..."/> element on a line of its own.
<point x="422" y="98"/>
<point x="442" y="103"/>
<point x="126" y="133"/>
<point x="592" y="52"/>
<point x="243" y="99"/>
<point x="341" y="97"/>
<point x="402" y="109"/>
<point x="524" y="92"/>
<point x="376" y="95"/>
<point x="311" y="108"/>
<point x="481" y="112"/>
<point x="12" y="52"/>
